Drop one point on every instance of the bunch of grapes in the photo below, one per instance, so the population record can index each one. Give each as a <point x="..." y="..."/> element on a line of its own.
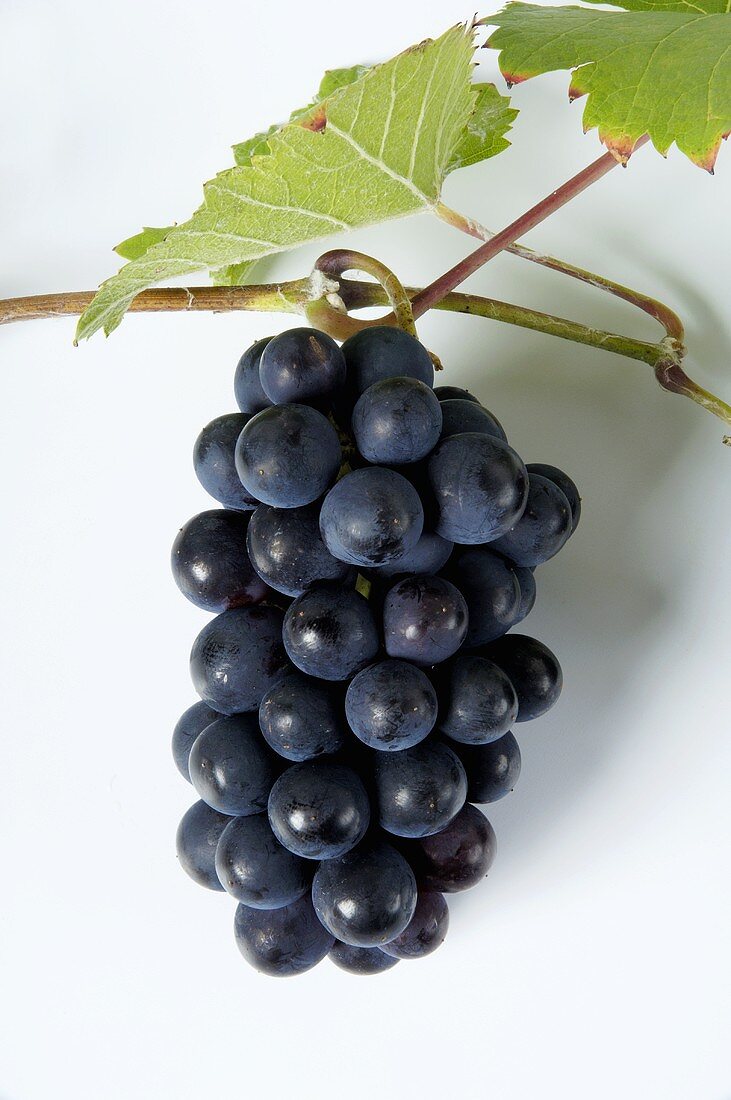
<point x="377" y="542"/>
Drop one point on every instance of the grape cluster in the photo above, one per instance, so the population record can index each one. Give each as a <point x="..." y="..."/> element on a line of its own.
<point x="376" y="543"/>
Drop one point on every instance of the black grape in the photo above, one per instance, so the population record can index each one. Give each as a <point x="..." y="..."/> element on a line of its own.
<point x="366" y="897"/>
<point x="457" y="858"/>
<point x="231" y="766"/>
<point x="480" y="487"/>
<point x="360" y="960"/>
<point x="491" y="590"/>
<point x="237" y="657"/>
<point x="480" y="703"/>
<point x="418" y="791"/>
<point x="397" y="421"/>
<point x="301" y="365"/>
<point x="282" y="942"/>
<point x="330" y="633"/>
<point x="211" y="565"/>
<point x="424" y="620"/>
<point x="196" y="841"/>
<point x="371" y="516"/>
<point x="192" y="722"/>
<point x="250" y="396"/>
<point x="214" y="461"/>
<point x="455" y="393"/>
<point x="565" y="484"/>
<point x="533" y="669"/>
<point x="543" y="528"/>
<point x="429" y="555"/>
<point x="391" y="705"/>
<point x="384" y="352"/>
<point x="492" y="770"/>
<point x="288" y="455"/>
<point x="319" y="809"/>
<point x="302" y="718"/>
<point x="527" y="583"/>
<point x="465" y="416"/>
<point x="256" y="869"/>
<point x="287" y="550"/>
<point x="425" y="932"/>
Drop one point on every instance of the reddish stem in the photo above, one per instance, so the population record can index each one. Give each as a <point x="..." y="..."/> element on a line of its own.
<point x="433" y="293"/>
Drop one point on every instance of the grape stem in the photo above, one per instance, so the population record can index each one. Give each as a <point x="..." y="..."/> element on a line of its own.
<point x="297" y="296"/>
<point x="326" y="298"/>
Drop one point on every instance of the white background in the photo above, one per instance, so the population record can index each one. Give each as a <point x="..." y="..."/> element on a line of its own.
<point x="594" y="960"/>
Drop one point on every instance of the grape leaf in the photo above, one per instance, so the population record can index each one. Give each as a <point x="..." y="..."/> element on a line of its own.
<point x="258" y="145"/>
<point x="136" y="246"/>
<point x="332" y="81"/>
<point x="660" y="69"/>
<point x="377" y="148"/>
<point x="484" y="134"/>
<point x="483" y="137"/>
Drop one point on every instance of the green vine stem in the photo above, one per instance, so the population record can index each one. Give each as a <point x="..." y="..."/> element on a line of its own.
<point x="298" y="296"/>
<point x="658" y="310"/>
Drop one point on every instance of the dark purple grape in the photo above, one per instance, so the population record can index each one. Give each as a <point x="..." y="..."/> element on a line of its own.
<point x="457" y="858"/>
<point x="319" y="809"/>
<point x="384" y="352"/>
<point x="533" y="669"/>
<point x="250" y="396"/>
<point x="396" y="421"/>
<point x="366" y="897"/>
<point x="192" y="722"/>
<point x="371" y="516"/>
<point x="288" y="455"/>
<point x="491" y="590"/>
<point x="237" y="657"/>
<point x="424" y="620"/>
<point x="214" y="461"/>
<point x="418" y="791"/>
<point x="429" y="555"/>
<point x="196" y="841"/>
<point x="543" y="528"/>
<point x="479" y="487"/>
<point x="492" y="770"/>
<point x="282" y="942"/>
<point x="455" y="393"/>
<point x="527" y="583"/>
<point x="231" y="766"/>
<point x="302" y="718"/>
<point x="210" y="562"/>
<point x="361" y="960"/>
<point x="565" y="484"/>
<point x="479" y="702"/>
<point x="302" y="365"/>
<point x="465" y="416"/>
<point x="330" y="633"/>
<point x="256" y="869"/>
<point x="425" y="932"/>
<point x="287" y="550"/>
<point x="391" y="706"/>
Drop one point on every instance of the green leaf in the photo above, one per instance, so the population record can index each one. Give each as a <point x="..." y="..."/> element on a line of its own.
<point x="258" y="145"/>
<point x="332" y="81"/>
<point x="377" y="148"/>
<point x="484" y="135"/>
<point x="661" y="69"/>
<point x="136" y="246"/>
<point x="233" y="274"/>
<point x="254" y="146"/>
<point x="335" y="79"/>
